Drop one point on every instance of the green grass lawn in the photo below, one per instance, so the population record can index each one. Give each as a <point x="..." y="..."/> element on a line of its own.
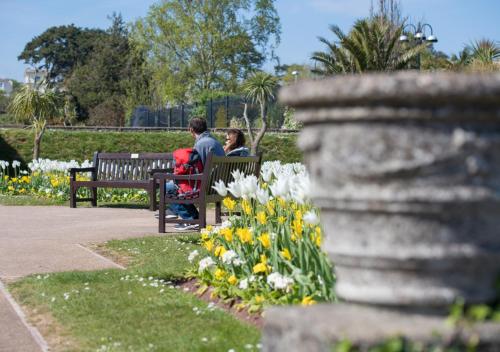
<point x="29" y="200"/>
<point x="139" y="309"/>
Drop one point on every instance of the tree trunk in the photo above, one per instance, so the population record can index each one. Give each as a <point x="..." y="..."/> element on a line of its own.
<point x="247" y="123"/>
<point x="37" y="142"/>
<point x="262" y="131"/>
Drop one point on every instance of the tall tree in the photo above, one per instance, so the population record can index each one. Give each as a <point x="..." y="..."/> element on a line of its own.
<point x="35" y="106"/>
<point x="260" y="88"/>
<point x="209" y="44"/>
<point x="60" y="49"/>
<point x="372" y="45"/>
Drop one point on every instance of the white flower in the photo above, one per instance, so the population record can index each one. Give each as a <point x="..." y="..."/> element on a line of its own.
<point x="192" y="255"/>
<point x="249" y="186"/>
<point x="311" y="218"/>
<point x="267" y="174"/>
<point x="220" y="187"/>
<point x="229" y="256"/>
<point x="238" y="175"/>
<point x="262" y="195"/>
<point x="243" y="284"/>
<point x="235" y="189"/>
<point x="16" y="163"/>
<point x="278" y="281"/>
<point x="225" y="224"/>
<point x="205" y="263"/>
<point x="280" y="187"/>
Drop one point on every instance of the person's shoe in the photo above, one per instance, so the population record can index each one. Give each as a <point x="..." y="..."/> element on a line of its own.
<point x="187" y="227"/>
<point x="169" y="215"/>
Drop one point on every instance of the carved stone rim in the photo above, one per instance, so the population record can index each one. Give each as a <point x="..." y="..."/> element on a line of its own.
<point x="401" y="89"/>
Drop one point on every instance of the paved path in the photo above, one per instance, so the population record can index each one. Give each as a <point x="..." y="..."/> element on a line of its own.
<point x="35" y="239"/>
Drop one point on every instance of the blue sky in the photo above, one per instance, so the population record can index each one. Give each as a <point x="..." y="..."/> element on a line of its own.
<point x="455" y="22"/>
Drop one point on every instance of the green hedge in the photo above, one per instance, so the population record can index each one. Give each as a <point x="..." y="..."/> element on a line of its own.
<point x="80" y="145"/>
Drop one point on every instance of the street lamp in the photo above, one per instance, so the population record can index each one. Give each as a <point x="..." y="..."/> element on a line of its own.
<point x="419" y="36"/>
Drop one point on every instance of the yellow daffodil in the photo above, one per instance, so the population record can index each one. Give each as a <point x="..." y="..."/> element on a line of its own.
<point x="270" y="207"/>
<point x="307" y="301"/>
<point x="229" y="203"/>
<point x="247" y="208"/>
<point x="259" y="299"/>
<point x="281" y="220"/>
<point x="219" y="274"/>
<point x="204" y="236"/>
<point x="22" y="190"/>
<point x="209" y="245"/>
<point x="14" y="179"/>
<point x="261" y="217"/>
<point x="297" y="227"/>
<point x="25" y="179"/>
<point x="232" y="280"/>
<point x="259" y="268"/>
<point x="219" y="251"/>
<point x="6" y="178"/>
<point x="227" y="232"/>
<point x="265" y="239"/>
<point x="298" y="215"/>
<point x="263" y="258"/>
<point x="286" y="254"/>
<point x="282" y="202"/>
<point x="10" y="188"/>
<point x="54" y="182"/>
<point x="244" y="234"/>
<point x="209" y="228"/>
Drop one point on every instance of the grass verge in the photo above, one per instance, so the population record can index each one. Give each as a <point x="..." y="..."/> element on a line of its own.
<point x="140" y="309"/>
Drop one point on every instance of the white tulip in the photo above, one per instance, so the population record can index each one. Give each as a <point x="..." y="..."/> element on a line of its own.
<point x="262" y="195"/>
<point x="220" y="187"/>
<point x="235" y="189"/>
<point x="311" y="218"/>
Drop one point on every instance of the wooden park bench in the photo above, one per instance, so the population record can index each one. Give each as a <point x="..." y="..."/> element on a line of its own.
<point x="216" y="168"/>
<point x="121" y="170"/>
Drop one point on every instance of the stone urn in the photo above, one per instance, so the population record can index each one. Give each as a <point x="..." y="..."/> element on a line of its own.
<point x="406" y="170"/>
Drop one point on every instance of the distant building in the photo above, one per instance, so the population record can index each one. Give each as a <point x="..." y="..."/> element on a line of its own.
<point x="7" y="86"/>
<point x="33" y="76"/>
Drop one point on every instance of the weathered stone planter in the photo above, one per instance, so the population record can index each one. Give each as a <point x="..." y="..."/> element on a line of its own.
<point x="406" y="171"/>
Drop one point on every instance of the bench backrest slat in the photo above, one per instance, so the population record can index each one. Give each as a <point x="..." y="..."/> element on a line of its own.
<point x="130" y="166"/>
<point x="222" y="168"/>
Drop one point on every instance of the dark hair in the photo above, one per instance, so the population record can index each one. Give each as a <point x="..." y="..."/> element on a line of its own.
<point x="240" y="137"/>
<point x="198" y="125"/>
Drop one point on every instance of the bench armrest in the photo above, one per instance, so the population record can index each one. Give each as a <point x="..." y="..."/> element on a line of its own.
<point x="74" y="170"/>
<point x="166" y="176"/>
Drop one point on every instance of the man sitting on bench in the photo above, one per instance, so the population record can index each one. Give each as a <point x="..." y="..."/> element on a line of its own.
<point x="204" y="144"/>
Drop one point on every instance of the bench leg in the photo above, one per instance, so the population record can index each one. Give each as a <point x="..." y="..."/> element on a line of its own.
<point x="218" y="211"/>
<point x="161" y="211"/>
<point x="152" y="197"/>
<point x="72" y="196"/>
<point x="203" y="215"/>
<point x="93" y="190"/>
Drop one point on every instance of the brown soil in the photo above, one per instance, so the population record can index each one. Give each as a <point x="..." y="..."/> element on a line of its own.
<point x="117" y="257"/>
<point x="255" y="319"/>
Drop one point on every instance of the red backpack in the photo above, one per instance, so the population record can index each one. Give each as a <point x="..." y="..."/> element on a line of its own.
<point x="187" y="162"/>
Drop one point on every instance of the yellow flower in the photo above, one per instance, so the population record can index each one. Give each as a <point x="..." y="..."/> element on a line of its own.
<point x="247" y="208"/>
<point x="219" y="274"/>
<point x="36" y="173"/>
<point x="209" y="245"/>
<point x="54" y="182"/>
<point x="232" y="280"/>
<point x="259" y="299"/>
<point x="297" y="227"/>
<point x="14" y="179"/>
<point x="282" y="202"/>
<point x="260" y="268"/>
<point x="270" y="207"/>
<point x="263" y="258"/>
<point x="229" y="203"/>
<point x="10" y="188"/>
<point x="6" y="178"/>
<point x="281" y="219"/>
<point x="318" y="238"/>
<point x="263" y="185"/>
<point x="307" y="301"/>
<point x="286" y="254"/>
<point x="227" y="232"/>
<point x="209" y="228"/>
<point x="265" y="239"/>
<point x="298" y="215"/>
<point x="244" y="234"/>
<point x="261" y="217"/>
<point x="25" y="179"/>
<point x="219" y="251"/>
<point x="22" y="190"/>
<point x="204" y="236"/>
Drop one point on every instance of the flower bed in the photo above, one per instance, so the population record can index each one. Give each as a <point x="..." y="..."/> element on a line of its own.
<point x="50" y="179"/>
<point x="268" y="252"/>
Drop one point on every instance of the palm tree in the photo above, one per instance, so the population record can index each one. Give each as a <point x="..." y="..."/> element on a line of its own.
<point x="372" y="45"/>
<point x="260" y="88"/>
<point x="34" y="106"/>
